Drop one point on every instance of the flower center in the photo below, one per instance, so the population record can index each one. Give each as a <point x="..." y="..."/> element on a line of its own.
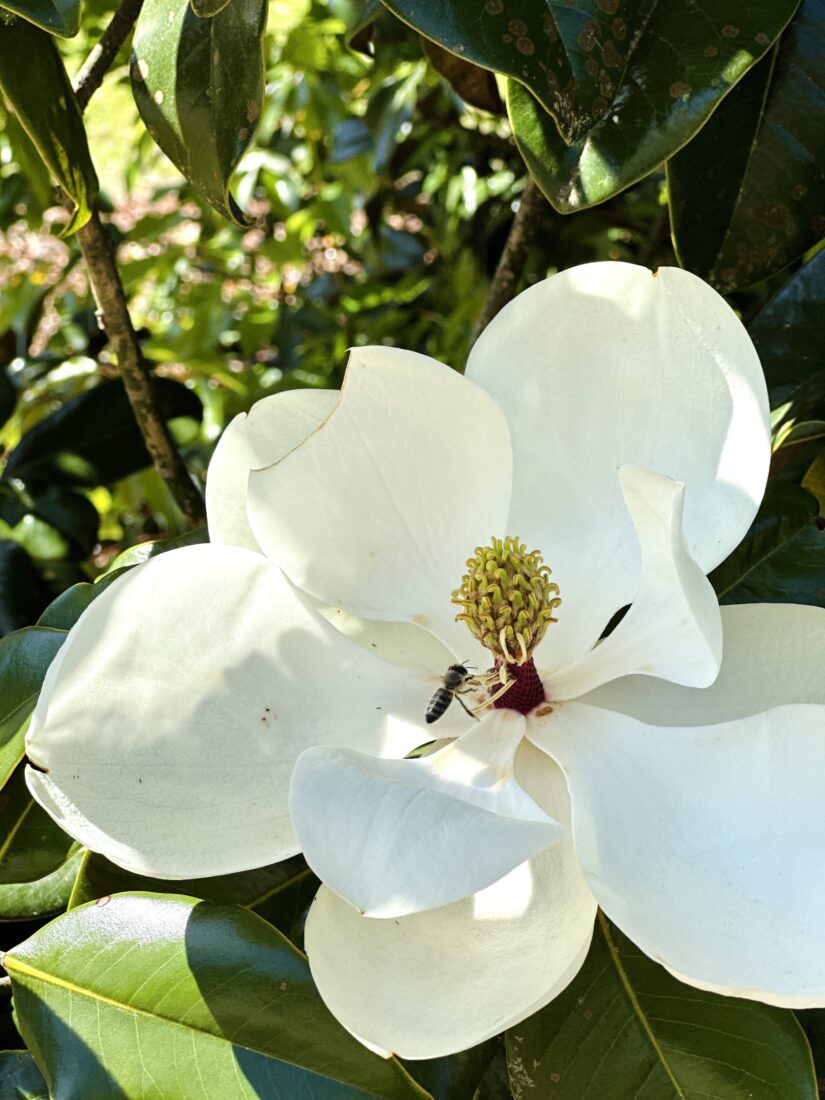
<point x="507" y="600"/>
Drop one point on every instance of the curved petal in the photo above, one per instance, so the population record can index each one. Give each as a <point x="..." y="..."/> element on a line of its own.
<point x="772" y="656"/>
<point x="438" y="982"/>
<point x="183" y="697"/>
<point x="401" y="643"/>
<point x="378" y="511"/>
<point x="673" y="629"/>
<point x="705" y="844"/>
<point x="427" y="831"/>
<point x="616" y="365"/>
<point x="271" y="428"/>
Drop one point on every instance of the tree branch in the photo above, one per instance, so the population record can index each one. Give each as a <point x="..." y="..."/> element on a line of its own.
<point x="99" y="254"/>
<point x="113" y="313"/>
<point x="510" y="265"/>
<point x="97" y="64"/>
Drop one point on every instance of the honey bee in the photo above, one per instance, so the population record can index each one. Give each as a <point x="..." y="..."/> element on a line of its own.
<point x="457" y="680"/>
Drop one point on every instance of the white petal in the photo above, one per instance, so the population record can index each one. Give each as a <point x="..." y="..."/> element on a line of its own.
<point x="401" y="643"/>
<point x="438" y="982"/>
<point x="705" y="844"/>
<point x="772" y="656"/>
<point x="271" y="428"/>
<point x="428" y="831"/>
<point x="604" y="365"/>
<point x="183" y="697"/>
<point x="378" y="511"/>
<point x="673" y="629"/>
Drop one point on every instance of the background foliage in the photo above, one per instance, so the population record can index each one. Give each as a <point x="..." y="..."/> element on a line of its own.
<point x="352" y="179"/>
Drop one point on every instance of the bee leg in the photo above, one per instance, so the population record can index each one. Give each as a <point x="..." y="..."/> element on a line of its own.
<point x="464" y="705"/>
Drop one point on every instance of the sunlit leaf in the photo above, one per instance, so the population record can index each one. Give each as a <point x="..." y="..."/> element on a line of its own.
<point x="198" y="84"/>
<point x="215" y="993"/>
<point x="34" y="82"/>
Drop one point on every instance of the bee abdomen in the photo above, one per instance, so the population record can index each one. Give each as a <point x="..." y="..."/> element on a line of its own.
<point x="438" y="704"/>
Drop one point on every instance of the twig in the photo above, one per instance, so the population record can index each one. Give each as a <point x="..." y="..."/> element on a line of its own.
<point x="97" y="64"/>
<point x="510" y="265"/>
<point x="113" y="313"/>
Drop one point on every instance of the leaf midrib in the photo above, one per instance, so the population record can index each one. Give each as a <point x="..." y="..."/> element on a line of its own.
<point x="638" y="1011"/>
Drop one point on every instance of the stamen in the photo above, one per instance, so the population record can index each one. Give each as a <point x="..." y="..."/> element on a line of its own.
<point x="507" y="600"/>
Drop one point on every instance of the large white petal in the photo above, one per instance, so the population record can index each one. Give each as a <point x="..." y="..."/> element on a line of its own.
<point x="673" y="629"/>
<point x="378" y="511"/>
<point x="605" y="365"/>
<point x="183" y="697"/>
<point x="395" y="837"/>
<point x="772" y="656"/>
<point x="271" y="428"/>
<point x="705" y="844"/>
<point x="437" y="982"/>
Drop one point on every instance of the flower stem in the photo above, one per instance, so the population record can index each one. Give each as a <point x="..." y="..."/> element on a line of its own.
<point x="511" y="262"/>
<point x="110" y="296"/>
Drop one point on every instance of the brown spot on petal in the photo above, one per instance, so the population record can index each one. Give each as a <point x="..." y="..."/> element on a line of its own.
<point x="494" y="7"/>
<point x="525" y="46"/>
<point x="619" y="29"/>
<point x="762" y="39"/>
<point x="711" y="51"/>
<point x="587" y="36"/>
<point x="730" y="32"/>
<point x="591" y="66"/>
<point x="517" y="27"/>
<point x="678" y="89"/>
<point x="609" y="7"/>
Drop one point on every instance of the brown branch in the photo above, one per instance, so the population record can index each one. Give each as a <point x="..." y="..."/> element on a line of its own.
<point x="97" y="64"/>
<point x="511" y="263"/>
<point x="113" y="312"/>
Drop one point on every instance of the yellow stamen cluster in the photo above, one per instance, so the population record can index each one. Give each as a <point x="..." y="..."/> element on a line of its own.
<point x="507" y="599"/>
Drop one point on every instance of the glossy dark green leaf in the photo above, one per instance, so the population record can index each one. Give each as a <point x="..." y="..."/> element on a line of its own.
<point x="747" y="195"/>
<point x="198" y="84"/>
<point x="212" y="991"/>
<point x="37" y="88"/>
<point x="31" y="844"/>
<point x="58" y="17"/>
<point x="72" y="514"/>
<point x="97" y="877"/>
<point x="93" y="439"/>
<point x="23" y="593"/>
<point x="43" y="897"/>
<point x="788" y="336"/>
<point x="605" y="90"/>
<point x="205" y="9"/>
<point x="24" y="658"/>
<point x="782" y="557"/>
<point x="20" y="1079"/>
<point x="458" y="1076"/>
<point x="626" y="1028"/>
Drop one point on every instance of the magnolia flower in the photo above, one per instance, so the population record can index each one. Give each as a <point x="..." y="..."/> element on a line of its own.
<point x="607" y="446"/>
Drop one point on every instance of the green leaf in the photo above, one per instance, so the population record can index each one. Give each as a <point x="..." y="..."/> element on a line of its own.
<point x="38" y="90"/>
<point x="627" y="1028"/>
<point x="23" y="592"/>
<point x="212" y="991"/>
<point x="24" y="658"/>
<point x="782" y="557"/>
<point x="604" y="91"/>
<point x="205" y="9"/>
<point x="788" y="336"/>
<point x="457" y="1076"/>
<point x="31" y="844"/>
<point x="59" y="17"/>
<point x="20" y="1079"/>
<point x="746" y="194"/>
<point x="93" y="439"/>
<point x="44" y="897"/>
<point x="198" y="84"/>
<point x="97" y="877"/>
